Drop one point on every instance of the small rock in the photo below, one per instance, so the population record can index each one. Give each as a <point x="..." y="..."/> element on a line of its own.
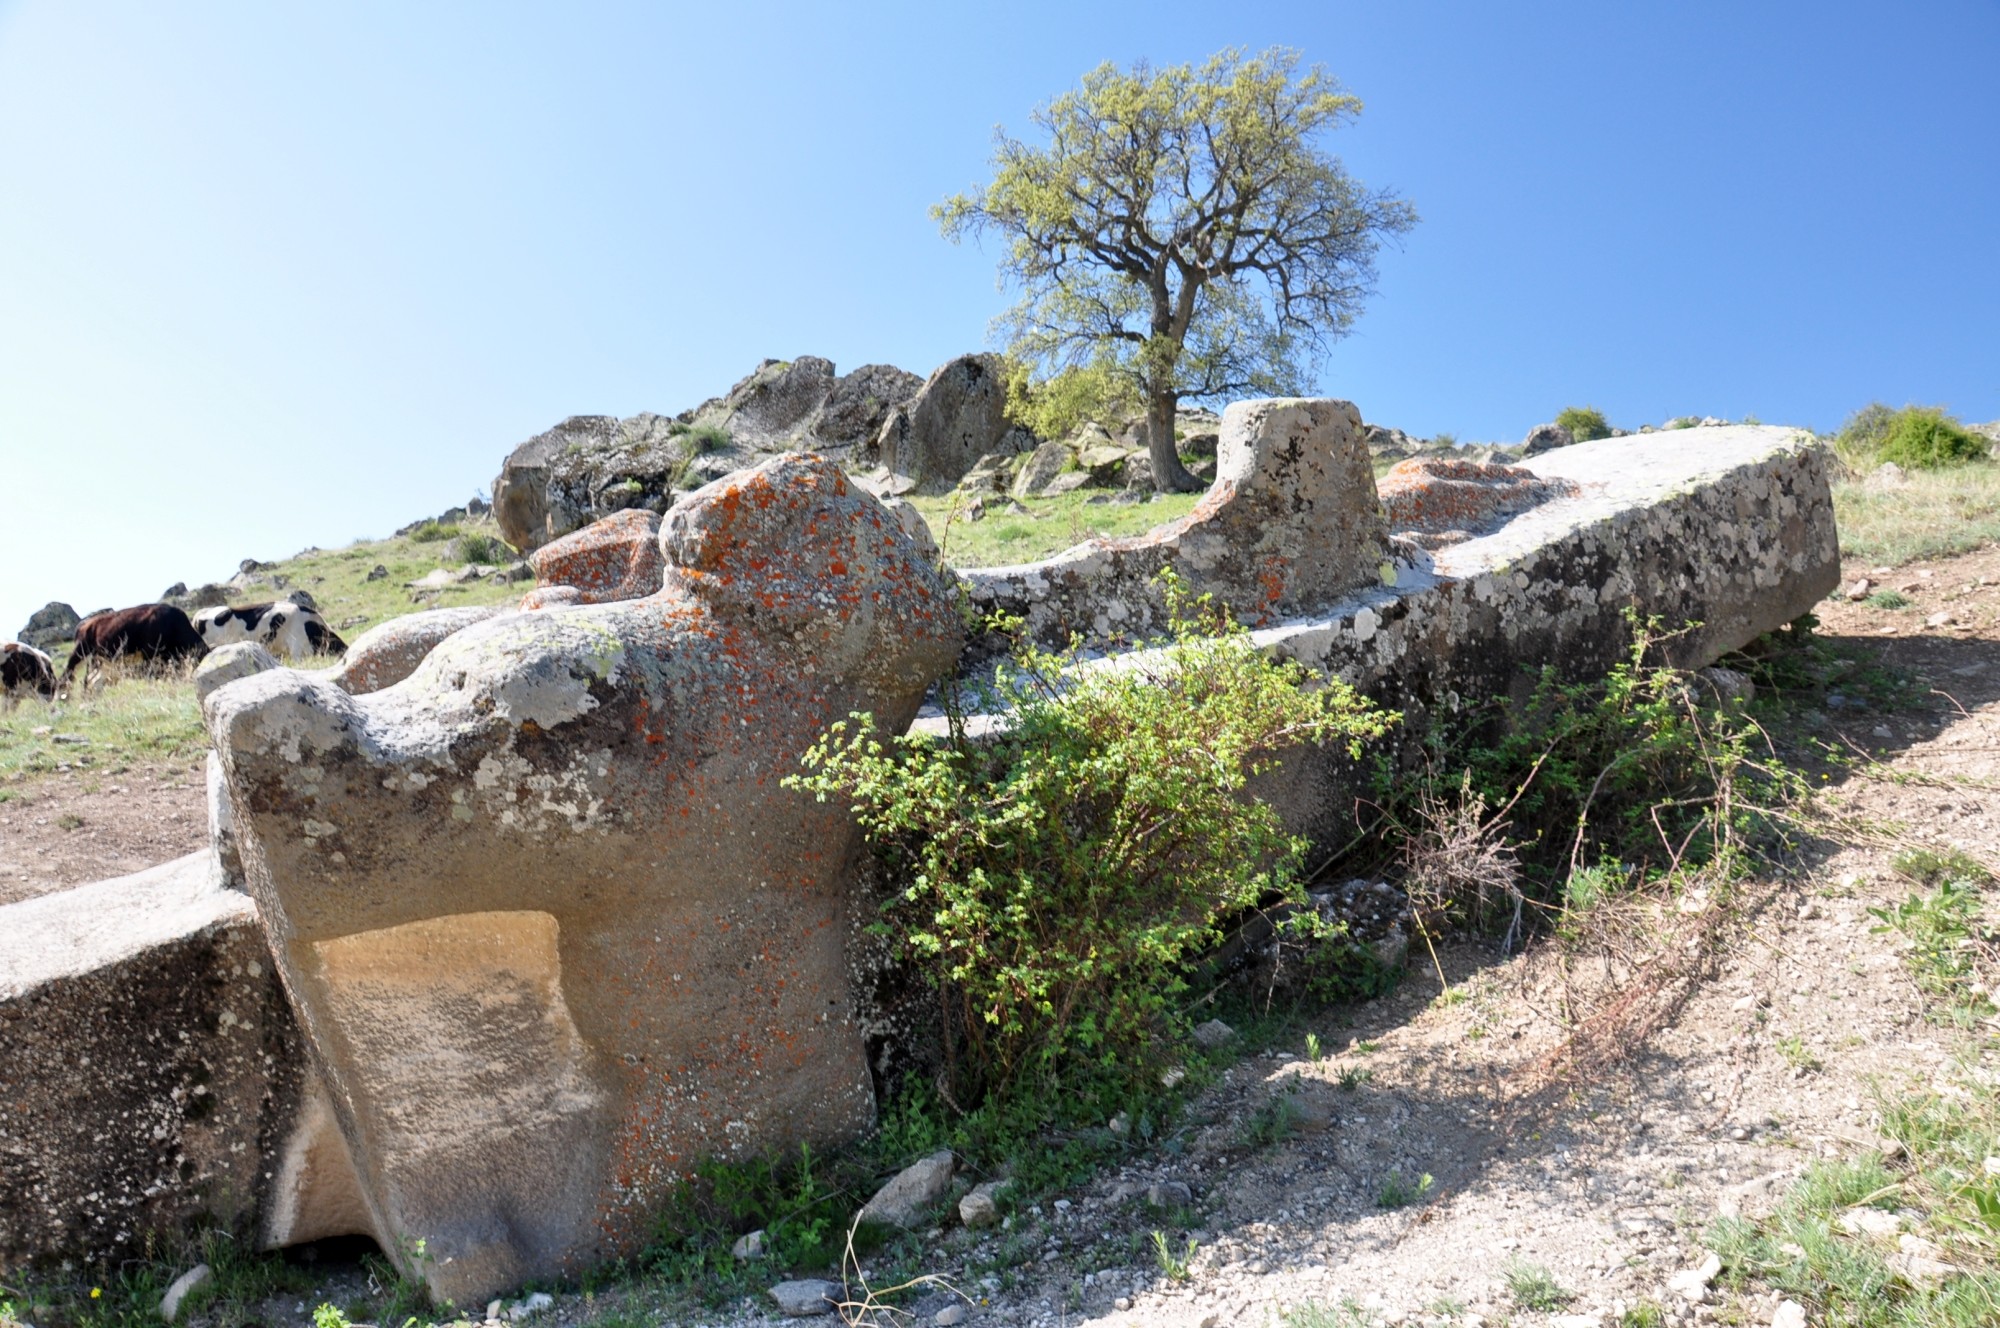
<point x="901" y="1203"/>
<point x="1789" y="1314"/>
<point x="949" y="1315"/>
<point x="798" y="1300"/>
<point x="750" y="1246"/>
<point x="1577" y="1321"/>
<point x="1921" y="1260"/>
<point x="1122" y="1303"/>
<point x="378" y="573"/>
<point x="1942" y="619"/>
<point x="1169" y="1194"/>
<point x="1869" y="1222"/>
<point x="981" y="1207"/>
<point x="529" y="1306"/>
<point x="1861" y="589"/>
<point x="1691" y="1284"/>
<point x="170" y="1304"/>
<point x="1121" y="1124"/>
<point x="493" y="1308"/>
<point x="1212" y="1034"/>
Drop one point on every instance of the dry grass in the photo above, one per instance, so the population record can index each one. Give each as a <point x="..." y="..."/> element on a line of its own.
<point x="1932" y="513"/>
<point x="125" y="713"/>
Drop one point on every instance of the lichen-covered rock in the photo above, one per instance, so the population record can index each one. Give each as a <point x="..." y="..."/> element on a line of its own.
<point x="1041" y="468"/>
<point x="389" y="652"/>
<point x="559" y="859"/>
<point x="1545" y="438"/>
<point x="1290" y="523"/>
<point x="1442" y="500"/>
<point x="958" y="416"/>
<point x="151" y="1063"/>
<point x="615" y="558"/>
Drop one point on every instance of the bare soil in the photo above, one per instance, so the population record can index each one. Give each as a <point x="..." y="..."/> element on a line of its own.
<point x="82" y="825"/>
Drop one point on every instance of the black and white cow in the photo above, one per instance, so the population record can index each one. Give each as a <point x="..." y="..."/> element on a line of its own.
<point x="26" y="669"/>
<point x="283" y="628"/>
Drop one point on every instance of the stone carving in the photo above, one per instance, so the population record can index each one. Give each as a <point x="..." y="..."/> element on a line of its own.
<point x="389" y="652"/>
<point x="553" y="927"/>
<point x="1290" y="523"/>
<point x="1442" y="500"/>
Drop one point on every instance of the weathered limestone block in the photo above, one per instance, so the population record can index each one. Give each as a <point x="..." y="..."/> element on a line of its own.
<point x="150" y="1063"/>
<point x="1291" y="523"/>
<point x="1442" y="500"/>
<point x="553" y="926"/>
<point x="616" y="558"/>
<point x="389" y="652"/>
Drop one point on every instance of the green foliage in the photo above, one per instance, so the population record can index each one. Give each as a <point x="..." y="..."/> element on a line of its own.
<point x="1185" y="225"/>
<point x="1584" y="423"/>
<point x="432" y="532"/>
<point x="1173" y="1264"/>
<point x="1931" y="867"/>
<point x="479" y="547"/>
<point x="1599" y="786"/>
<point x="1534" y="1287"/>
<point x="1050" y="525"/>
<point x="1915" y="437"/>
<point x="1399" y="1191"/>
<point x="1888" y="599"/>
<point x="1100" y="391"/>
<point x="1312" y="1314"/>
<point x="703" y="438"/>
<point x="330" y="1316"/>
<point x="1064" y="870"/>
<point x="1946" y="948"/>
<point x="803" y="1217"/>
<point x="1931" y="514"/>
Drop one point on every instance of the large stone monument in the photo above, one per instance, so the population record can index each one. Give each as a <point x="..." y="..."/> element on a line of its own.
<point x="552" y="925"/>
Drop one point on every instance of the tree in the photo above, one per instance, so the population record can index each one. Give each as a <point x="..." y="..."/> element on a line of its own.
<point x="1183" y="229"/>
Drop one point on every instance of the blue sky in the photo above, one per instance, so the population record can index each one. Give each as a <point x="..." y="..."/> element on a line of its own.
<point x="284" y="275"/>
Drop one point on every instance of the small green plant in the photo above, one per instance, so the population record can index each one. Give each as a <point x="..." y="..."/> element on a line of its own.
<point x="1946" y="949"/>
<point x="431" y="532"/>
<point x="1584" y="423"/>
<point x="704" y="438"/>
<point x="1398" y="1191"/>
<point x="1930" y="867"/>
<point x="1349" y="1313"/>
<point x="1534" y="1287"/>
<point x="1277" y="1120"/>
<point x="1173" y="1264"/>
<point x="1888" y="599"/>
<point x="1445" y="440"/>
<point x="1312" y="1048"/>
<point x="1065" y="870"/>
<point x="69" y="821"/>
<point x="476" y="546"/>
<point x="1797" y="1054"/>
<point x="330" y="1316"/>
<point x="1353" y="1077"/>
<point x="1643" y="1315"/>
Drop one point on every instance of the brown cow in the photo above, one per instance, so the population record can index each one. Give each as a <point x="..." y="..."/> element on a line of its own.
<point x="24" y="668"/>
<point x="157" y="633"/>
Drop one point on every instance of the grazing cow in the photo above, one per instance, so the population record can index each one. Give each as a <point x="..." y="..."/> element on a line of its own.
<point x="158" y="633"/>
<point x="283" y="628"/>
<point x="24" y="668"/>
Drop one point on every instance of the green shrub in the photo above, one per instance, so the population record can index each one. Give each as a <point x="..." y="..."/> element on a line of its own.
<point x="1065" y="870"/>
<point x="1056" y="407"/>
<point x="480" y="547"/>
<point x="430" y="532"/>
<point x="1925" y="438"/>
<point x="1584" y="423"/>
<point x="703" y="438"/>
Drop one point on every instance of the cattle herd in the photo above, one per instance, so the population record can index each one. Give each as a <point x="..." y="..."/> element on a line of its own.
<point x="164" y="634"/>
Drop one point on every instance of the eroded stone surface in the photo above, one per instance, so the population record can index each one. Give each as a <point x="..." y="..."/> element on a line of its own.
<point x="1291" y="523"/>
<point x="1443" y="500"/>
<point x="151" y="1063"/>
<point x="557" y="859"/>
<point x="390" y="652"/>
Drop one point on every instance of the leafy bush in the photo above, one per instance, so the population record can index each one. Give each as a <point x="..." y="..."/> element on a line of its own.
<point x="1925" y="438"/>
<point x="704" y="438"/>
<point x="480" y="547"/>
<point x="1099" y="392"/>
<point x="1584" y="423"/>
<point x="431" y="532"/>
<point x="1065" y="870"/>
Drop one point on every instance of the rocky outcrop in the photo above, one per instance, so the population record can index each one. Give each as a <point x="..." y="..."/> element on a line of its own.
<point x="560" y="859"/>
<point x="1290" y="523"/>
<point x="50" y="625"/>
<point x="1545" y="438"/>
<point x="959" y="416"/>
<point x="590" y="466"/>
<point x="152" y="1064"/>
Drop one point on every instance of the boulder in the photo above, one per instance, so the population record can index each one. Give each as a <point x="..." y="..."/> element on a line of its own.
<point x="1545" y="438"/>
<point x="775" y="404"/>
<point x="1040" y="470"/>
<point x="958" y="416"/>
<point x="50" y="625"/>
<point x="1442" y="500"/>
<point x="612" y="559"/>
<point x="559" y="858"/>
<point x="859" y="405"/>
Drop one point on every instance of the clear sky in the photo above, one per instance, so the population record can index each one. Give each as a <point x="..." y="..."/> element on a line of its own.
<point x="278" y="275"/>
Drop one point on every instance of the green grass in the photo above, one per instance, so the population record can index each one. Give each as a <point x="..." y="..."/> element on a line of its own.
<point x="1534" y="1287"/>
<point x="1399" y="1191"/>
<point x="131" y="717"/>
<point x="1933" y="513"/>
<point x="339" y="584"/>
<point x="1053" y="524"/>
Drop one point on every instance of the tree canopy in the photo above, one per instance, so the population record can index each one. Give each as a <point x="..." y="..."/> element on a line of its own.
<point x="1182" y="230"/>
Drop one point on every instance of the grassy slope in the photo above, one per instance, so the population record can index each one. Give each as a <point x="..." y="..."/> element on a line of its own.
<point x="1931" y="514"/>
<point x="1052" y="525"/>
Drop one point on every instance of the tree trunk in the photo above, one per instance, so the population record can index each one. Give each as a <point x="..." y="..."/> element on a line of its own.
<point x="1169" y="475"/>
